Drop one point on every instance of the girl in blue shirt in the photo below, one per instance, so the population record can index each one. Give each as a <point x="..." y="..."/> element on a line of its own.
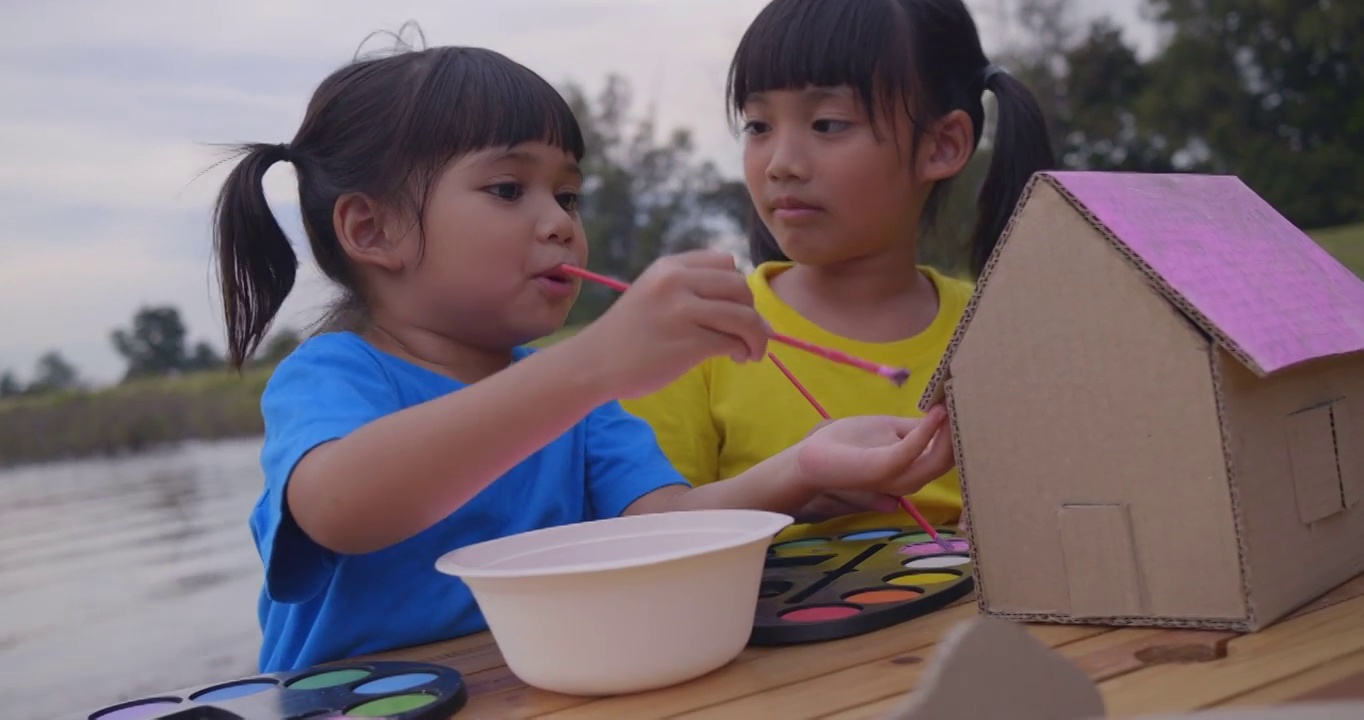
<point x="439" y="191"/>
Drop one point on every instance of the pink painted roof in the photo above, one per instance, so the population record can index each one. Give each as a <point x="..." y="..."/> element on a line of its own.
<point x="1266" y="288"/>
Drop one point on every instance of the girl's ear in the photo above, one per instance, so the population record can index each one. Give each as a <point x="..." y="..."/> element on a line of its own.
<point x="947" y="147"/>
<point x="363" y="233"/>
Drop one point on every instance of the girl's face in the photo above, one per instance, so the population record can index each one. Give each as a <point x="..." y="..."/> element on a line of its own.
<point x="826" y="186"/>
<point x="498" y="223"/>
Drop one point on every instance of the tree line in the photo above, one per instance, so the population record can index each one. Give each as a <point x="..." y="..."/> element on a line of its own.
<point x="155" y="344"/>
<point x="1271" y="91"/>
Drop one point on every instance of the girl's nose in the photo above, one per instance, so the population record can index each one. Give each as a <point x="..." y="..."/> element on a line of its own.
<point x="557" y="226"/>
<point x="786" y="161"/>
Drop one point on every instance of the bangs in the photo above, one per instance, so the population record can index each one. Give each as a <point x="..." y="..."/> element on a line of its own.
<point x="793" y="44"/>
<point x="471" y="99"/>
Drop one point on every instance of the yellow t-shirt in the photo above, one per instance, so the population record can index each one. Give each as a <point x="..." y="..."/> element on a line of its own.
<point x="722" y="418"/>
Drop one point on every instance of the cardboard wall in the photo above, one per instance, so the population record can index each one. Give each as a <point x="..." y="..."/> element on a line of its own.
<point x="1089" y="439"/>
<point x="1296" y="440"/>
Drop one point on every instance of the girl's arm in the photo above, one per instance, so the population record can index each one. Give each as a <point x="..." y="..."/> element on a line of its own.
<point x="400" y="474"/>
<point x="885" y="454"/>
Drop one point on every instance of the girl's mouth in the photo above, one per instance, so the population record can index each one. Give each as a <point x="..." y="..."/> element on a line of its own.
<point x="555" y="283"/>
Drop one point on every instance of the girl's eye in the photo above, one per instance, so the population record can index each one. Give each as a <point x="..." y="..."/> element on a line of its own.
<point x="568" y="201"/>
<point x="506" y="190"/>
<point x="755" y="127"/>
<point x="831" y="126"/>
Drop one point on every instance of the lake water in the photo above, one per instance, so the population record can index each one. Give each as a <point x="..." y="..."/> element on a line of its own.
<point x="120" y="578"/>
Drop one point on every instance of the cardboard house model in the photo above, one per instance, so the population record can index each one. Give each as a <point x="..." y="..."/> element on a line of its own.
<point x="1157" y="399"/>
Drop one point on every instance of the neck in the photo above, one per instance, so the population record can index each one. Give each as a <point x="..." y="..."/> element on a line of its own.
<point x="877" y="298"/>
<point x="867" y="281"/>
<point x="443" y="355"/>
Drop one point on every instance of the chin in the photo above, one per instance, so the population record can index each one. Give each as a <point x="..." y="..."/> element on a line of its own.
<point x="808" y="254"/>
<point x="810" y="249"/>
<point x="541" y="330"/>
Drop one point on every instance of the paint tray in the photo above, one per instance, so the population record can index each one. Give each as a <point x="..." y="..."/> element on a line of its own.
<point x="389" y="689"/>
<point x="818" y="588"/>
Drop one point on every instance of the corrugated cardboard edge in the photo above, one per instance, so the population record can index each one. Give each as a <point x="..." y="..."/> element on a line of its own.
<point x="933" y="392"/>
<point x="979" y="579"/>
<point x="1233" y="488"/>
<point x="1234" y="624"/>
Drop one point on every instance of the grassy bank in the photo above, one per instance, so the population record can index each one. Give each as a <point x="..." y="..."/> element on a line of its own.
<point x="138" y="415"/>
<point x="1346" y="243"/>
<point x="131" y="417"/>
<point x="216" y="405"/>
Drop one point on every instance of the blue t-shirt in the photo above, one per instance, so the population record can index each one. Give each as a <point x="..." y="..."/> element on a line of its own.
<point x="318" y="606"/>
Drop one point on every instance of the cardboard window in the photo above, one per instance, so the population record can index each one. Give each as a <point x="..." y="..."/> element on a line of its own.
<point x="1100" y="560"/>
<point x="1349" y="435"/>
<point x="1316" y="471"/>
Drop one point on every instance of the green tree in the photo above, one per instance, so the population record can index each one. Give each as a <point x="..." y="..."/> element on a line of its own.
<point x="1089" y="83"/>
<point x="1271" y="91"/>
<point x="156" y="345"/>
<point x="53" y="373"/>
<point x="10" y="385"/>
<point x="643" y="197"/>
<point x="204" y="357"/>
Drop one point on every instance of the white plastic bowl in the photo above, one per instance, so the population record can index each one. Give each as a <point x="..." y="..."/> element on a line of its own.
<point x="621" y="605"/>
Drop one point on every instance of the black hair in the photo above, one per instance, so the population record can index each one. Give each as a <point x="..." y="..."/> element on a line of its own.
<point x="923" y="54"/>
<point x="384" y="126"/>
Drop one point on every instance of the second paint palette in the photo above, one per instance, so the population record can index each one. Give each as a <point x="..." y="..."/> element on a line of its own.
<point x="824" y="588"/>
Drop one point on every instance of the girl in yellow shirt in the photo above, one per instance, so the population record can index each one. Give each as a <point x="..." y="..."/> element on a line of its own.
<point x="856" y="116"/>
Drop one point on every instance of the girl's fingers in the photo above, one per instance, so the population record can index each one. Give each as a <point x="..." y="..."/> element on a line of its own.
<point x="707" y="258"/>
<point x="724" y="285"/>
<point x="930" y="465"/>
<point x="899" y="459"/>
<point x="737" y="321"/>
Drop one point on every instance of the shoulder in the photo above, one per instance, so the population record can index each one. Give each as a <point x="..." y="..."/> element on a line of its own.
<point x="760" y="278"/>
<point x="327" y="365"/>
<point x="340" y="350"/>
<point x="954" y="284"/>
<point x="953" y="291"/>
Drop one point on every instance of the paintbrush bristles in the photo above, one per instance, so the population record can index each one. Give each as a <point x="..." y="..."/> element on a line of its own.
<point x="895" y="375"/>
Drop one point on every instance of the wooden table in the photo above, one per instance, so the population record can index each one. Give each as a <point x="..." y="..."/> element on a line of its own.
<point x="1316" y="654"/>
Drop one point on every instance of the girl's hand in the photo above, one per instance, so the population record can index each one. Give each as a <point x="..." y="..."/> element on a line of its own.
<point x="878" y="453"/>
<point x="683" y="309"/>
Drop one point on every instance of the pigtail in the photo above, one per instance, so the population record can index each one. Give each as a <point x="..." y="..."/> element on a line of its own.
<point x="1022" y="147"/>
<point x="256" y="263"/>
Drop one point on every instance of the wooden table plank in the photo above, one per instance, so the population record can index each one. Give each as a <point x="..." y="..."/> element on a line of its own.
<point x="760" y="668"/>
<point x="462" y="650"/>
<point x="1343" y="689"/>
<point x="1279" y="651"/>
<point x="1303" y="685"/>
<point x="853" y="686"/>
<point x="864" y="677"/>
<point x="1107" y="653"/>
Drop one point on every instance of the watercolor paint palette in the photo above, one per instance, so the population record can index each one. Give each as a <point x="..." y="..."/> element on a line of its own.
<point x="389" y="689"/>
<point x="819" y="588"/>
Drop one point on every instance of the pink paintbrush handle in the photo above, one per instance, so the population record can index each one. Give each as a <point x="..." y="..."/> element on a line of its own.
<point x="895" y="375"/>
<point x="789" y="376"/>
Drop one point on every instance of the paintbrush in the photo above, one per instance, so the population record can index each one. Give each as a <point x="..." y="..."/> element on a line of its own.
<point x="904" y="501"/>
<point x="895" y="375"/>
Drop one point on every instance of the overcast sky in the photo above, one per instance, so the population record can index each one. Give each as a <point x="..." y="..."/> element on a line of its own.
<point x="109" y="107"/>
